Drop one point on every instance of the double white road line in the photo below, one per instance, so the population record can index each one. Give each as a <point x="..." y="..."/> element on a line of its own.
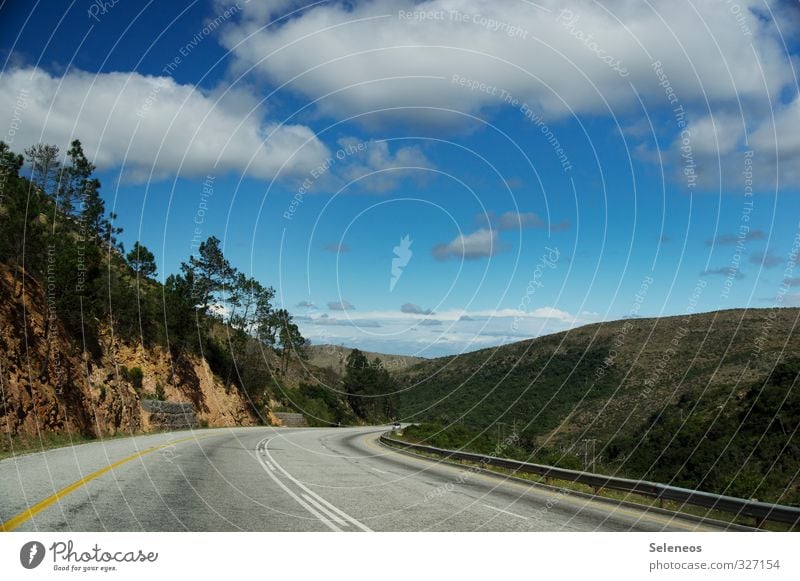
<point x="331" y="516"/>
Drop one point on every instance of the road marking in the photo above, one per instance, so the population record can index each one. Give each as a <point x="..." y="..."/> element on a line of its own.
<point x="492" y="477"/>
<point x="299" y="500"/>
<point x="332" y="516"/>
<point x="506" y="511"/>
<point x="264" y="445"/>
<point x="379" y="470"/>
<point x="270" y="466"/>
<point x="13" y="523"/>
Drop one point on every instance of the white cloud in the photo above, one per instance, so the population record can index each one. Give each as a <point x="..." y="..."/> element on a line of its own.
<point x="340" y="306"/>
<point x="551" y="313"/>
<point x="154" y="124"/>
<point x="480" y="244"/>
<point x="717" y="135"/>
<point x="413" y="309"/>
<point x="451" y="331"/>
<point x="517" y="220"/>
<point x="777" y="140"/>
<point x="379" y="170"/>
<point x="364" y="56"/>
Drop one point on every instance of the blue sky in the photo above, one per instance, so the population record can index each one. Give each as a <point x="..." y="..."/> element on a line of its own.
<point x="551" y="165"/>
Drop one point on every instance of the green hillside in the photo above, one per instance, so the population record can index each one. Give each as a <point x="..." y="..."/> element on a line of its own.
<point x="705" y="400"/>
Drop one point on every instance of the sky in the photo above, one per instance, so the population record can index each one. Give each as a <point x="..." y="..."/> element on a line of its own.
<point x="429" y="178"/>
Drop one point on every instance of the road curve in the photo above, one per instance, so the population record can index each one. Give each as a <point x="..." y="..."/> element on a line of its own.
<point x="283" y="479"/>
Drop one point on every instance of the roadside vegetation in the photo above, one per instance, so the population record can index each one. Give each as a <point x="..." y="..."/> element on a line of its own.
<point x="722" y="415"/>
<point x="57" y="233"/>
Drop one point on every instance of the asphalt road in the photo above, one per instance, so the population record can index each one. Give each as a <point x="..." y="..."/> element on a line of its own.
<point x="284" y="479"/>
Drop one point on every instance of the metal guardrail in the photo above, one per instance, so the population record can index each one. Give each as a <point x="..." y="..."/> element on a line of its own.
<point x="760" y="511"/>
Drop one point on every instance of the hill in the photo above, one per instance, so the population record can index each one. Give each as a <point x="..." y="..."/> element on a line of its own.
<point x="706" y="400"/>
<point x="335" y="357"/>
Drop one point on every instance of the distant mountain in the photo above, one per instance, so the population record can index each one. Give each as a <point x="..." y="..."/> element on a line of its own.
<point x="335" y="357"/>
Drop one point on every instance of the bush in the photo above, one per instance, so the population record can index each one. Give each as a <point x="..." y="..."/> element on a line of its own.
<point x="137" y="377"/>
<point x="133" y="376"/>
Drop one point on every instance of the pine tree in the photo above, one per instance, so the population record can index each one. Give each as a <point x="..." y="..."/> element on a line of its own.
<point x="142" y="261"/>
<point x="75" y="180"/>
<point x="45" y="167"/>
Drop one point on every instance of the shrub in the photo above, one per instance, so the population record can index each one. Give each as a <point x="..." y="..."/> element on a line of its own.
<point x="134" y="376"/>
<point x="137" y="377"/>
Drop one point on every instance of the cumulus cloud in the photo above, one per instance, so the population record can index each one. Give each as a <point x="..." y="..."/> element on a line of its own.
<point x="156" y="126"/>
<point x="413" y="309"/>
<point x="367" y="56"/>
<point x="480" y="244"/>
<point x="517" y="220"/>
<point x="716" y="135"/>
<point x="305" y="305"/>
<point x="379" y="170"/>
<point x="778" y="141"/>
<point x="340" y="306"/>
<point x="430" y="323"/>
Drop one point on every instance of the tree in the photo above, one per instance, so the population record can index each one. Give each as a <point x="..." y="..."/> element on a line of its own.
<point x="93" y="215"/>
<point x="142" y="261"/>
<point x="367" y="384"/>
<point x="10" y="165"/>
<point x="75" y="180"/>
<point x="12" y="209"/>
<point x="179" y="314"/>
<point x="45" y="166"/>
<point x="213" y="275"/>
<point x="291" y="341"/>
<point x="22" y="233"/>
<point x="356" y="382"/>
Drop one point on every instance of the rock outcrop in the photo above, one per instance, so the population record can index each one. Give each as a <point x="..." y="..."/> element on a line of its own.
<point x="48" y="384"/>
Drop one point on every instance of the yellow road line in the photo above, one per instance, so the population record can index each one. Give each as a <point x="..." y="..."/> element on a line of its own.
<point x="50" y="500"/>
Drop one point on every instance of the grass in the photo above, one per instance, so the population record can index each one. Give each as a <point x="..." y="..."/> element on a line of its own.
<point x="20" y="445"/>
<point x="17" y="445"/>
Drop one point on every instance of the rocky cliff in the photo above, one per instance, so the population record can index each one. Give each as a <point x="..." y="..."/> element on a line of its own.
<point x="49" y="384"/>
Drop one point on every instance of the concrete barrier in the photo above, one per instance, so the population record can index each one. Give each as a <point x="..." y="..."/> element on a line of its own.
<point x="291" y="420"/>
<point x="168" y="415"/>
